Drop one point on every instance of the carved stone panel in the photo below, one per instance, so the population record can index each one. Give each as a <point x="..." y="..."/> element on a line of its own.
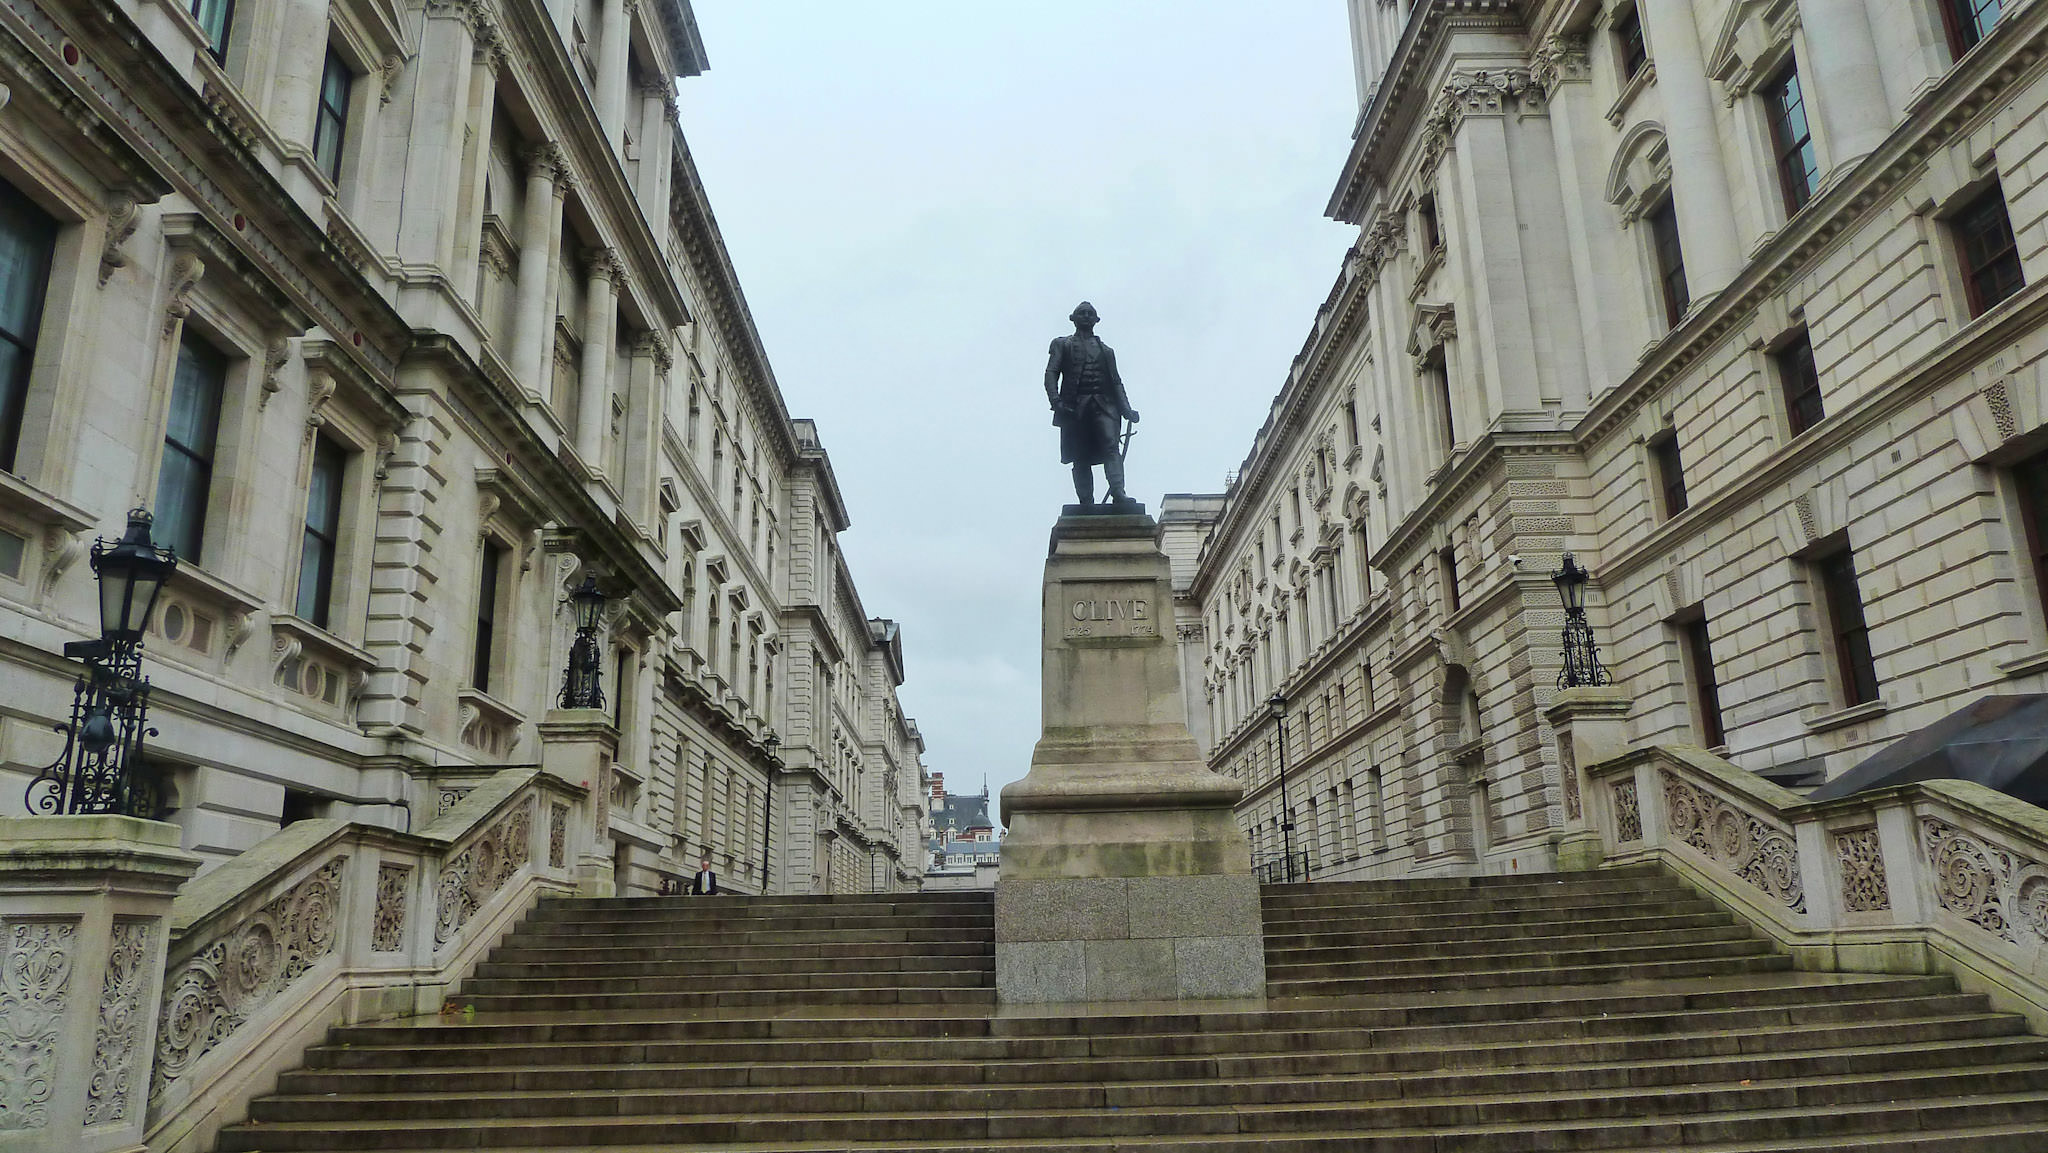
<point x="476" y="874"/>
<point x="226" y="983"/>
<point x="35" y="982"/>
<point x="1628" y="815"/>
<point x="2001" y="892"/>
<point x="558" y="835"/>
<point x="117" y="1038"/>
<point x="1863" y="884"/>
<point x="1763" y="855"/>
<point x="394" y="887"/>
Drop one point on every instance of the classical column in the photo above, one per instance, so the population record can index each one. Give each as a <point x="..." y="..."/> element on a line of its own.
<point x="614" y="36"/>
<point x="533" y="336"/>
<point x="435" y="145"/>
<point x="1848" y="87"/>
<point x="647" y="385"/>
<point x="657" y="117"/>
<point x="594" y="378"/>
<point x="486" y="60"/>
<point x="1699" y="179"/>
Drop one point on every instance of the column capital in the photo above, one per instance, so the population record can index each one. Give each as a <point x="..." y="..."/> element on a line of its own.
<point x="653" y="343"/>
<point x="546" y="159"/>
<point x="1562" y="57"/>
<point x="604" y="263"/>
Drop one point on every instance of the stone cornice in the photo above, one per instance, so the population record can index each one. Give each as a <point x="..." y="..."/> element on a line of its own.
<point x="1465" y="474"/>
<point x="2007" y="57"/>
<point x="1398" y="100"/>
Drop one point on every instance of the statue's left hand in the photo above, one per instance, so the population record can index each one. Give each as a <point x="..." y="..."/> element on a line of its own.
<point x="1131" y="414"/>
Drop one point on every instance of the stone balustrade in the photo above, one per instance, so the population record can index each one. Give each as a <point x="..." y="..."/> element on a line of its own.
<point x="324" y="923"/>
<point x="1935" y="877"/>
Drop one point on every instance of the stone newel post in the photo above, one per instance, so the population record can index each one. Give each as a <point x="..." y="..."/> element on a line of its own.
<point x="84" y="910"/>
<point x="578" y="745"/>
<point x="1592" y="726"/>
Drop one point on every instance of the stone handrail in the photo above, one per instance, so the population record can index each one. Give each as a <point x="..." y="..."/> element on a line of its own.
<point x="330" y="922"/>
<point x="1936" y="876"/>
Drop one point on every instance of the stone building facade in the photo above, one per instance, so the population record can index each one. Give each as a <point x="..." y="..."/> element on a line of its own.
<point x="1736" y="300"/>
<point x="403" y="317"/>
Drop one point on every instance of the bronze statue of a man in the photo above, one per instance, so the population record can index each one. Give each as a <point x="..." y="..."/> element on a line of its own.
<point x="1089" y="406"/>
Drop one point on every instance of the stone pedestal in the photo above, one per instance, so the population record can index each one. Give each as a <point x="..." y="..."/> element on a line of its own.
<point x="1124" y="874"/>
<point x="84" y="906"/>
<point x="578" y="745"/>
<point x="1592" y="726"/>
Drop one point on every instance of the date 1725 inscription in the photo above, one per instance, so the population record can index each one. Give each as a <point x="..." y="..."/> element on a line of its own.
<point x="1107" y="610"/>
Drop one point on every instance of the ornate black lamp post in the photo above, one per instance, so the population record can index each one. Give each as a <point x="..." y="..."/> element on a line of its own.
<point x="1581" y="655"/>
<point x="582" y="686"/>
<point x="1278" y="705"/>
<point x="98" y="770"/>
<point x="772" y="744"/>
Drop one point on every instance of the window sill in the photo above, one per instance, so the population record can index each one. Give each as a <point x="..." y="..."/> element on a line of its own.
<point x="1630" y="89"/>
<point x="1842" y="718"/>
<point x="31" y="503"/>
<point x="1431" y="261"/>
<point x="488" y="724"/>
<point x="327" y="670"/>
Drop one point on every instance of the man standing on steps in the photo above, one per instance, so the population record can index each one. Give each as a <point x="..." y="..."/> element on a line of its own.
<point x="706" y="882"/>
<point x="1089" y="406"/>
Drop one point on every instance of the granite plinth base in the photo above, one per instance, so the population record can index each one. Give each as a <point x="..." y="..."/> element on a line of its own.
<point x="1129" y="939"/>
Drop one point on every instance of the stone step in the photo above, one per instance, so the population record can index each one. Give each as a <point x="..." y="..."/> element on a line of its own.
<point x="858" y="962"/>
<point x="1554" y="927"/>
<point x="827" y="981"/>
<point x="1555" y="939"/>
<point x="1874" y="1079"/>
<point x="852" y="926"/>
<point x="736" y="998"/>
<point x="1475" y="978"/>
<point x="516" y="952"/>
<point x="655" y="938"/>
<point x="1615" y="1061"/>
<point x="1280" y="966"/>
<point x="1367" y="896"/>
<point x="1813" y="1107"/>
<point x="793" y="901"/>
<point x="1705" y="1032"/>
<point x="1490" y="882"/>
<point x="1600" y="905"/>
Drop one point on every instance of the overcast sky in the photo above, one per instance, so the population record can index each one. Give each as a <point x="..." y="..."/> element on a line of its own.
<point x="917" y="192"/>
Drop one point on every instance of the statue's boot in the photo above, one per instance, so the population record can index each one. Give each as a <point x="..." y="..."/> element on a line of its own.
<point x="1113" y="472"/>
<point x="1084" y="484"/>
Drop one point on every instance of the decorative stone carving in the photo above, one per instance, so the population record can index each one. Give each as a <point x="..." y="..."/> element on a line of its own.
<point x="123" y="217"/>
<point x="1863" y="884"/>
<point x="1763" y="855"/>
<point x="1568" y="775"/>
<point x="61" y="550"/>
<point x="1561" y="58"/>
<point x="185" y="273"/>
<point x="118" y="1035"/>
<point x="1999" y="891"/>
<point x="35" y="982"/>
<point x="1628" y="814"/>
<point x="1999" y="400"/>
<point x="558" y="835"/>
<point x="451" y="795"/>
<point x="320" y="386"/>
<point x="229" y="981"/>
<point x="480" y="870"/>
<point x="394" y="886"/>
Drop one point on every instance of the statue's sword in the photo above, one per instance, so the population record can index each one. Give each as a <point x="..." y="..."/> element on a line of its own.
<point x="1123" y="449"/>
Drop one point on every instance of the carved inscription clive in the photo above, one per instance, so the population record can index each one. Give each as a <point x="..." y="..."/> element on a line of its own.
<point x="1098" y="609"/>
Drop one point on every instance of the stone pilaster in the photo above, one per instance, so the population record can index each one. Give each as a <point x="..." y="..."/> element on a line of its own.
<point x="1592" y="726"/>
<point x="578" y="745"/>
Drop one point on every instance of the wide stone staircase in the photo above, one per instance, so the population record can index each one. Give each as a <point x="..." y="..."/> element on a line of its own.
<point x="1614" y="1011"/>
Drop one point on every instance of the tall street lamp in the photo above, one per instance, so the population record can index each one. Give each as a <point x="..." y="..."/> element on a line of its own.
<point x="582" y="686"/>
<point x="99" y="770"/>
<point x="1581" y="655"/>
<point x="1277" y="704"/>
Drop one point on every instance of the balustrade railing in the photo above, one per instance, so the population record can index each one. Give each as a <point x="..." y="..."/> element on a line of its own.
<point x="1936" y="876"/>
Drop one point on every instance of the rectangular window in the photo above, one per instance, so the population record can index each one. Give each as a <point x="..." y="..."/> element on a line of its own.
<point x="28" y="237"/>
<point x="486" y="614"/>
<point x="1969" y="21"/>
<point x="323" y="531"/>
<point x="1699" y="661"/>
<point x="186" y="478"/>
<point x="1791" y="140"/>
<point x="214" y="17"/>
<point x="1991" y="261"/>
<point x="1663" y="222"/>
<point x="1851" y="635"/>
<point x="2030" y="476"/>
<point x="1440" y="381"/>
<point x="1801" y="382"/>
<point x="1447" y="566"/>
<point x="1670" y="473"/>
<point x="1629" y="47"/>
<point x="1351" y="421"/>
<point x="1432" y="233"/>
<point x="330" y="120"/>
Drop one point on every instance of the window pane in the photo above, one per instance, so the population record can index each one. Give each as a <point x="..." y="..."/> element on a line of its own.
<point x="1797" y="167"/>
<point x="187" y="473"/>
<point x="316" y="564"/>
<point x="331" y="120"/>
<point x="1670" y="261"/>
<point x="1852" y="635"/>
<point x="27" y="237"/>
<point x="214" y="17"/>
<point x="323" y="523"/>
